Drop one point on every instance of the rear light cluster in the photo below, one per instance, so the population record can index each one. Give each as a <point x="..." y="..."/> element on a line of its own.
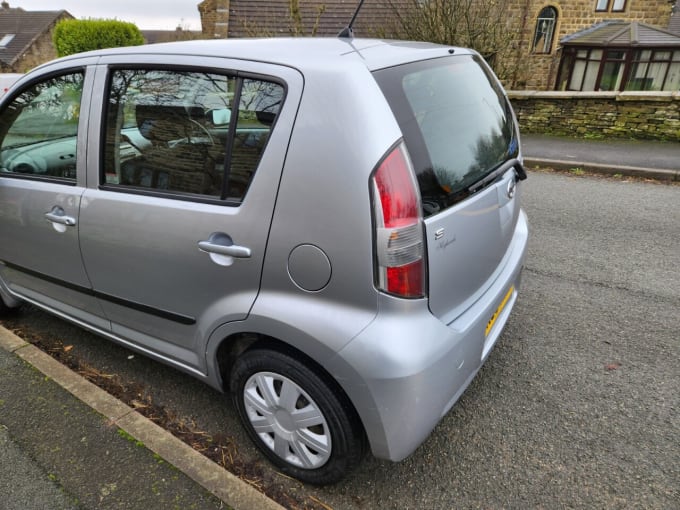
<point x="399" y="227"/>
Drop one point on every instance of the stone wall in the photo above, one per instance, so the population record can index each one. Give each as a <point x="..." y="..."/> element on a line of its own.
<point x="638" y="115"/>
<point x="214" y="18"/>
<point x="42" y="50"/>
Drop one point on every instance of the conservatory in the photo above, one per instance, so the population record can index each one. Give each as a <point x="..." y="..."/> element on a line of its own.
<point x="620" y="56"/>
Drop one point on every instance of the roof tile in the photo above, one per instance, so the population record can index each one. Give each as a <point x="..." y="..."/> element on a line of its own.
<point x="248" y="18"/>
<point x="620" y="33"/>
<point x="26" y="27"/>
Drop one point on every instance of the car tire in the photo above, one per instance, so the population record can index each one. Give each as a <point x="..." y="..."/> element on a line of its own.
<point x="303" y="425"/>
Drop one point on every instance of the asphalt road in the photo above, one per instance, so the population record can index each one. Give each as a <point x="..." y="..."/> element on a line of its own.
<point x="579" y="404"/>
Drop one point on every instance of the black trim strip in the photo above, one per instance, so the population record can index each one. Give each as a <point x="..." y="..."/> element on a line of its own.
<point x="163" y="314"/>
<point x="231" y="136"/>
<point x="66" y="181"/>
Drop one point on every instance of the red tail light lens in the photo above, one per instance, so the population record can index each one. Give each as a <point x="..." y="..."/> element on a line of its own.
<point x="406" y="281"/>
<point x="399" y="229"/>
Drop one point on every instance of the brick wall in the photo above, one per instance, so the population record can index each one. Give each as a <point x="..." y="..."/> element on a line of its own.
<point x="639" y="115"/>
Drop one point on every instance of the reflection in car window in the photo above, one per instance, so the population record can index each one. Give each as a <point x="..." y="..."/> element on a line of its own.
<point x="177" y="132"/>
<point x="456" y="121"/>
<point x="259" y="102"/>
<point x="39" y="129"/>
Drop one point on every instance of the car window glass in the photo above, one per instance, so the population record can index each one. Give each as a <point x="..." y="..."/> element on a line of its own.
<point x="457" y="124"/>
<point x="39" y="129"/>
<point x="170" y="131"/>
<point x="259" y="102"/>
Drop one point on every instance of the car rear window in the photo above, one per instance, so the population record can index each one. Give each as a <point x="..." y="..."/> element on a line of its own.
<point x="457" y="124"/>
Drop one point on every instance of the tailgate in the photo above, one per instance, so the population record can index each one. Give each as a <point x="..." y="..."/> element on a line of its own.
<point x="467" y="244"/>
<point x="463" y="141"/>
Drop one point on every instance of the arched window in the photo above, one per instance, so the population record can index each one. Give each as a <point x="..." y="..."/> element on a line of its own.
<point x="545" y="30"/>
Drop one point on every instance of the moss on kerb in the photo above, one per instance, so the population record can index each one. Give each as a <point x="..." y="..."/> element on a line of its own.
<point x="130" y="438"/>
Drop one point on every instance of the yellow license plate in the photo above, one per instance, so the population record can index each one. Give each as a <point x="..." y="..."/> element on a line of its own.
<point x="498" y="311"/>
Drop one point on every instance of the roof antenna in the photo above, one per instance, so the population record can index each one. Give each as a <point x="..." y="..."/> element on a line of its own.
<point x="348" y="32"/>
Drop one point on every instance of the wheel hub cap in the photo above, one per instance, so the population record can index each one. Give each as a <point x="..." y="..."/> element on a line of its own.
<point x="287" y="420"/>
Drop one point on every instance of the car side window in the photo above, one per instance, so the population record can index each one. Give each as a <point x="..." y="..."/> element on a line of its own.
<point x="177" y="132"/>
<point x="39" y="129"/>
<point x="259" y="103"/>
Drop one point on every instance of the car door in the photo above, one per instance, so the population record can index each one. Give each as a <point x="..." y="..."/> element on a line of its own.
<point x="42" y="179"/>
<point x="173" y="238"/>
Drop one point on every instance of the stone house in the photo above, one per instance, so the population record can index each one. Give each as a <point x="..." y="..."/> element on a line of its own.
<point x="26" y="37"/>
<point x="538" y="31"/>
<point x="592" y="44"/>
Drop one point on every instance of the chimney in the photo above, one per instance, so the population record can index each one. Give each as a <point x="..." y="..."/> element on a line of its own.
<point x="5" y="5"/>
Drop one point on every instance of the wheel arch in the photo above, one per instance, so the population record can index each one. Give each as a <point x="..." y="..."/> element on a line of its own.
<point x="231" y="347"/>
<point x="224" y="350"/>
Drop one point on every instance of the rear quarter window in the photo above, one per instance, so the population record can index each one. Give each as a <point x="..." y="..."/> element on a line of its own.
<point x="457" y="124"/>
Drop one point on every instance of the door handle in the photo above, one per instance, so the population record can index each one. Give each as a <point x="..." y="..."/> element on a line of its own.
<point x="57" y="215"/>
<point x="61" y="220"/>
<point x="233" y="250"/>
<point x="222" y="249"/>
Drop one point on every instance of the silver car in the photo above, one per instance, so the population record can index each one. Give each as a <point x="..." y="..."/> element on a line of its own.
<point x="329" y="229"/>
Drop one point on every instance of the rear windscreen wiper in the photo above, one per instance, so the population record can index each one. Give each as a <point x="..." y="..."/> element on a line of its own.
<point x="514" y="162"/>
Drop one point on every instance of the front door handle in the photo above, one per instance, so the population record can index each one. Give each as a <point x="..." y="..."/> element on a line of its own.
<point x="239" y="252"/>
<point x="61" y="219"/>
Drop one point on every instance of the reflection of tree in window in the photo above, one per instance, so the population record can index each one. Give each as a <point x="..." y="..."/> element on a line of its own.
<point x="157" y="133"/>
<point x="259" y="97"/>
<point x="162" y="133"/>
<point x="46" y="111"/>
<point x="545" y="29"/>
<point x="259" y="103"/>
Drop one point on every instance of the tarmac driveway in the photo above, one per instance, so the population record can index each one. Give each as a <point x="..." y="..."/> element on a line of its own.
<point x="578" y="405"/>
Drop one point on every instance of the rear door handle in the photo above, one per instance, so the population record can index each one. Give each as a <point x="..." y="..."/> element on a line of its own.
<point x="222" y="249"/>
<point x="239" y="252"/>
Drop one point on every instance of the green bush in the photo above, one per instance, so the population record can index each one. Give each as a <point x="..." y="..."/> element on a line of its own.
<point x="77" y="35"/>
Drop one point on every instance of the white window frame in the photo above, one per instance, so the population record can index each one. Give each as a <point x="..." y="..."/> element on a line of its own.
<point x="6" y="39"/>
<point x="610" y="6"/>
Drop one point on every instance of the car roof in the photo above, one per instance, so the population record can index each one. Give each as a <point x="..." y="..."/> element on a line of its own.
<point x="301" y="53"/>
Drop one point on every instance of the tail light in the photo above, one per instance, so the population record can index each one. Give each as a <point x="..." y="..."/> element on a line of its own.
<point x="400" y="268"/>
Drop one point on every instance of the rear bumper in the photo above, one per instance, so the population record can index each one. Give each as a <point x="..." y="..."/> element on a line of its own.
<point x="412" y="367"/>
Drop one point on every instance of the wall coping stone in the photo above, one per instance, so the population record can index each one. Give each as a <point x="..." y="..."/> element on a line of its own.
<point x="520" y="95"/>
